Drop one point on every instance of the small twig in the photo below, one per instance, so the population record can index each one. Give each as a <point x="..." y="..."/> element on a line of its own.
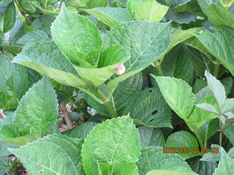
<point x="66" y="115"/>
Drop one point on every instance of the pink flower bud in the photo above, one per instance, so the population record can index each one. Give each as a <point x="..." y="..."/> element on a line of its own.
<point x="121" y="69"/>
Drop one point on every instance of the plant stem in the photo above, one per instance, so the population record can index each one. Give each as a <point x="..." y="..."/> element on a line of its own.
<point x="157" y="65"/>
<point x="220" y="133"/>
<point x="216" y="68"/>
<point x="66" y="115"/>
<point x="199" y="139"/>
<point x="107" y="104"/>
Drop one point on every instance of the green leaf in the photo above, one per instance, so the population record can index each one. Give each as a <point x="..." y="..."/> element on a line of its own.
<point x="199" y="85"/>
<point x="83" y="130"/>
<point x="114" y="55"/>
<point x="200" y="61"/>
<point x="125" y="168"/>
<point x="223" y="44"/>
<point x="37" y="156"/>
<point x="50" y="10"/>
<point x="48" y="2"/>
<point x="130" y="5"/>
<point x="122" y="95"/>
<point x="228" y="105"/>
<point x="153" y="110"/>
<point x="27" y="6"/>
<point x="225" y="165"/>
<point x="152" y="158"/>
<point x="6" y="2"/>
<point x="202" y="167"/>
<point x="203" y="93"/>
<point x="178" y="94"/>
<point x="9" y="17"/>
<point x="4" y="165"/>
<point x="32" y="38"/>
<point x="96" y="3"/>
<point x="77" y="37"/>
<point x="110" y="16"/>
<point x="165" y="172"/>
<point x="47" y="59"/>
<point x="112" y="142"/>
<point x="176" y="64"/>
<point x="199" y="116"/>
<point x="205" y="4"/>
<point x="38" y="109"/>
<point x="227" y="82"/>
<point x="229" y="132"/>
<point x="178" y="38"/>
<point x="208" y="108"/>
<point x="14" y="50"/>
<point x="177" y="3"/>
<point x="184" y="17"/>
<point x="14" y="83"/>
<point x="121" y="2"/>
<point x="183" y="139"/>
<point x="145" y="41"/>
<point x="208" y="129"/>
<point x="22" y="140"/>
<point x="150" y="11"/>
<point x="216" y="88"/>
<point x="219" y="16"/>
<point x="4" y="148"/>
<point x="151" y="137"/>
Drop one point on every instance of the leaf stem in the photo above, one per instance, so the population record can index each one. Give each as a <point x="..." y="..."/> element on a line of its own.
<point x="157" y="65"/>
<point x="216" y="68"/>
<point x="220" y="133"/>
<point x="107" y="104"/>
<point x="66" y="115"/>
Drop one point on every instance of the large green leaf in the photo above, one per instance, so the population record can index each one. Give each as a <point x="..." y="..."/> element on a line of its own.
<point x="153" y="158"/>
<point x="121" y="2"/>
<point x="176" y="64"/>
<point x="183" y="139"/>
<point x="152" y="110"/>
<point x="222" y="49"/>
<point x="112" y="143"/>
<point x="47" y="59"/>
<point x="110" y="16"/>
<point x="144" y="40"/>
<point x="220" y="16"/>
<point x="178" y="94"/>
<point x="76" y="37"/>
<point x="38" y="109"/>
<point x="27" y="6"/>
<point x="48" y="155"/>
<point x="178" y="38"/>
<point x="229" y="132"/>
<point x="151" y="137"/>
<point x="165" y="172"/>
<point x="177" y="3"/>
<point x="32" y="38"/>
<point x="96" y="3"/>
<point x="36" y="113"/>
<point x="150" y="11"/>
